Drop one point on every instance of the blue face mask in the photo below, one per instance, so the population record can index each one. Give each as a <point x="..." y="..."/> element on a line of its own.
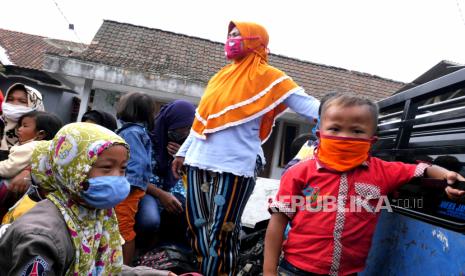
<point x="106" y="192"/>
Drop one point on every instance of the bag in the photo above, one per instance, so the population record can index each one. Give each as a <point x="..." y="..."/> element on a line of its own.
<point x="169" y="257"/>
<point x="250" y="259"/>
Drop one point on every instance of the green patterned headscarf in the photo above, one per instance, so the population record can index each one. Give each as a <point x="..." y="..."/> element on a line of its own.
<point x="63" y="170"/>
<point x="41" y="169"/>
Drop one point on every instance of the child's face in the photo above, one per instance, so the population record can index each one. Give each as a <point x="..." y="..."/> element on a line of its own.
<point x="27" y="130"/>
<point x="351" y="121"/>
<point x="112" y="162"/>
<point x="17" y="97"/>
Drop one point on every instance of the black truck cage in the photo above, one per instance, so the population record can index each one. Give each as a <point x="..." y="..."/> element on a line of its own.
<point x="411" y="128"/>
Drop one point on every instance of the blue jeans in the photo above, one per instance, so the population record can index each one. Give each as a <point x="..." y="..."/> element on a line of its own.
<point x="148" y="215"/>
<point x="287" y="269"/>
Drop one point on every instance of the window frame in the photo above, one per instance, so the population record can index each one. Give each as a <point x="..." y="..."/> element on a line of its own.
<point x="285" y="145"/>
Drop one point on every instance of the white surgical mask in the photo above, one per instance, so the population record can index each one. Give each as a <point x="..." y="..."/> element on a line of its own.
<point x="14" y="112"/>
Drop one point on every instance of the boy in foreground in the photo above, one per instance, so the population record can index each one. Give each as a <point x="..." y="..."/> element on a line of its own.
<point x="333" y="201"/>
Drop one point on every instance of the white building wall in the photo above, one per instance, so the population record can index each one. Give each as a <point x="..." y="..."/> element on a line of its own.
<point x="105" y="100"/>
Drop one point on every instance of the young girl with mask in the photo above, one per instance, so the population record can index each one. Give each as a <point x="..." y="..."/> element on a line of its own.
<point x="19" y="100"/>
<point x="32" y="127"/>
<point x="84" y="168"/>
<point x="333" y="200"/>
<point x="135" y="112"/>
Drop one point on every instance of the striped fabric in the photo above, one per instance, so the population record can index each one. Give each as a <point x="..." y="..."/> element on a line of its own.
<point x="215" y="203"/>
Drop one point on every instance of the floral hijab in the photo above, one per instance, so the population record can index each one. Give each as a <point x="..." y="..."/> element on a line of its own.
<point x="34" y="102"/>
<point x="61" y="167"/>
<point x="41" y="168"/>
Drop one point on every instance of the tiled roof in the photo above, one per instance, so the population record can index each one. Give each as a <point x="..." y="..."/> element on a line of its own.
<point x="196" y="59"/>
<point x="28" y="51"/>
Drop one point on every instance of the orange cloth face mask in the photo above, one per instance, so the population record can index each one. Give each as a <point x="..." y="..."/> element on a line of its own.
<point x="343" y="153"/>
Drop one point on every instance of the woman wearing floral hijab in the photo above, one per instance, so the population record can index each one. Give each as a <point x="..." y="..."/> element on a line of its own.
<point x="74" y="231"/>
<point x="19" y="100"/>
<point x="235" y="116"/>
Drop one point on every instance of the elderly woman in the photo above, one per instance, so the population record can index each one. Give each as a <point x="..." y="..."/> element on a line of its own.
<point x="83" y="171"/>
<point x="234" y="117"/>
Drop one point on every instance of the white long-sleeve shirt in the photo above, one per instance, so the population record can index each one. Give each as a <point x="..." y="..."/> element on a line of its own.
<point x="235" y="149"/>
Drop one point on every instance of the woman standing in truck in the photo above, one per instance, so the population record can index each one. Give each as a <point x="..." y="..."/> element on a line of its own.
<point x="223" y="151"/>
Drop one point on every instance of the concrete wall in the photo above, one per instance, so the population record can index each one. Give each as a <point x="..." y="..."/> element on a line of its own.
<point x="105" y="100"/>
<point x="63" y="109"/>
<point x="163" y="87"/>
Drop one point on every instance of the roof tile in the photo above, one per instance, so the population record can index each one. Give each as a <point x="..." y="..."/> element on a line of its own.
<point x="166" y="53"/>
<point x="28" y="51"/>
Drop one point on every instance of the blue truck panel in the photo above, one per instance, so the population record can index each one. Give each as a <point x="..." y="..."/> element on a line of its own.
<point x="407" y="246"/>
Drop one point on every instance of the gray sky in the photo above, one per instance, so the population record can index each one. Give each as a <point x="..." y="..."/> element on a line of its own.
<point x="395" y="39"/>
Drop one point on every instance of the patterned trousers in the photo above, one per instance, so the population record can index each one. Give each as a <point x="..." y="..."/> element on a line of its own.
<point x="214" y="204"/>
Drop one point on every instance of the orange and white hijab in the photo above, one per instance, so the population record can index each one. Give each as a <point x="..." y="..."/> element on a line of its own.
<point x="244" y="90"/>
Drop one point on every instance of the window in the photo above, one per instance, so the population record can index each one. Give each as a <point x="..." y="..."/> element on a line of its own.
<point x="91" y="97"/>
<point x="75" y="103"/>
<point x="159" y="105"/>
<point x="290" y="132"/>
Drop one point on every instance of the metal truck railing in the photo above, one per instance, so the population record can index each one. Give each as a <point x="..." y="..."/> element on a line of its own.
<point x="421" y="124"/>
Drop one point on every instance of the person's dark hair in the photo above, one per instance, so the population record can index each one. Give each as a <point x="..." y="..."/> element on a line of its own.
<point x="45" y="121"/>
<point x="326" y="97"/>
<point x="102" y="118"/>
<point x="299" y="141"/>
<point x="136" y="108"/>
<point x="349" y="99"/>
<point x="448" y="162"/>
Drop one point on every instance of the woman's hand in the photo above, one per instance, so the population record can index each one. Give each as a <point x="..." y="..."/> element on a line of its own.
<point x="176" y="166"/>
<point x="172" y="148"/>
<point x="170" y="202"/>
<point x="20" y="183"/>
